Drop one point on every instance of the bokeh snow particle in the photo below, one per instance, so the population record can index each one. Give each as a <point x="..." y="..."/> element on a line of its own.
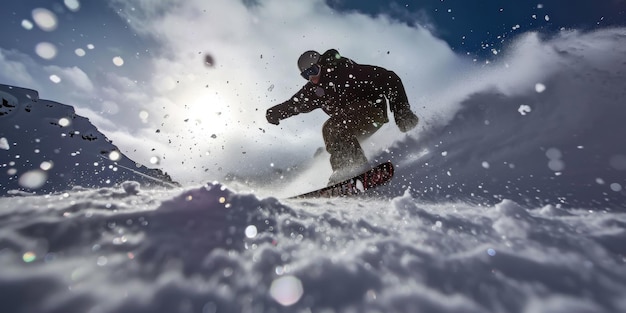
<point x="46" y="50"/>
<point x="616" y="187"/>
<point x="286" y="290"/>
<point x="485" y="164"/>
<point x="554" y="154"/>
<point x="155" y="160"/>
<point x="80" y="52"/>
<point x="64" y="122"/>
<point x="91" y="46"/>
<point x="45" y="19"/>
<point x="28" y="25"/>
<point x="251" y="231"/>
<point x="33" y="179"/>
<point x="539" y="88"/>
<point x="72" y="5"/>
<point x="143" y="115"/>
<point x="555" y="163"/>
<point x="114" y="156"/>
<point x="46" y="165"/>
<point x="29" y="257"/>
<point x="118" y="61"/>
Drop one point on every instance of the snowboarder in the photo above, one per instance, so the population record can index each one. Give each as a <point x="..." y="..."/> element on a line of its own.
<point x="355" y="97"/>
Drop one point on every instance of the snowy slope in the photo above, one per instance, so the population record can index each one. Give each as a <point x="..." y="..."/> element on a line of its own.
<point x="513" y="203"/>
<point x="46" y="147"/>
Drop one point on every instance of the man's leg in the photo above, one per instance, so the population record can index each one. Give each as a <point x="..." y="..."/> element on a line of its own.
<point x="342" y="144"/>
<point x="342" y="134"/>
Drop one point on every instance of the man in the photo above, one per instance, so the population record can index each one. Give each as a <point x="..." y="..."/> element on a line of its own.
<point x="355" y="97"/>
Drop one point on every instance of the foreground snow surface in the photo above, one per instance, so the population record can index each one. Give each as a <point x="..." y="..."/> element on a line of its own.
<point x="209" y="249"/>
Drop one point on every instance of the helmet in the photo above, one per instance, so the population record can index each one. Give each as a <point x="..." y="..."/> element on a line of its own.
<point x="307" y="59"/>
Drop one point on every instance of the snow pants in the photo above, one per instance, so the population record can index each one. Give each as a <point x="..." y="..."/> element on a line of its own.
<point x="343" y="131"/>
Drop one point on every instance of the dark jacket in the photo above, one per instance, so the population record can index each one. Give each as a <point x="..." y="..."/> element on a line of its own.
<point x="345" y="87"/>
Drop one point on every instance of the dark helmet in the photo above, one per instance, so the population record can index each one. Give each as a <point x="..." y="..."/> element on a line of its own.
<point x="307" y="59"/>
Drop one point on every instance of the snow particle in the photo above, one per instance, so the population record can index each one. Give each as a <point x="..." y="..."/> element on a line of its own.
<point x="114" y="156"/>
<point x="554" y="154"/>
<point x="485" y="164"/>
<point x="4" y="144"/>
<point x="64" y="122"/>
<point x="491" y="252"/>
<point x="33" y="179"/>
<point x="28" y="25"/>
<point x="46" y="165"/>
<point x="29" y="257"/>
<point x="72" y="5"/>
<point x="208" y="60"/>
<point x="143" y="115"/>
<point x="118" y="61"/>
<point x="45" y="19"/>
<point x="286" y="290"/>
<point x="46" y="50"/>
<point x="547" y="18"/>
<point x="155" y="160"/>
<point x="251" y="231"/>
<point x="555" y="164"/>
<point x="80" y="52"/>
<point x="539" y="87"/>
<point x="90" y="46"/>
<point x="616" y="187"/>
<point x="55" y="79"/>
<point x="524" y="109"/>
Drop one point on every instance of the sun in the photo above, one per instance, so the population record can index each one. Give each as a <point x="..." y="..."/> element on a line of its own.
<point x="207" y="110"/>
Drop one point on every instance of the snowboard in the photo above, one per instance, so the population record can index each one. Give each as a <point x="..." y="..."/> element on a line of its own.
<point x="359" y="184"/>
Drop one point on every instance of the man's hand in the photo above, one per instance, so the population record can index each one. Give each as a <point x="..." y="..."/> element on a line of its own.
<point x="272" y="117"/>
<point x="406" y="120"/>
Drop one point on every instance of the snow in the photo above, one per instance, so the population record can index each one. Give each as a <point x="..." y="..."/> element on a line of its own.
<point x="208" y="248"/>
<point x="491" y="210"/>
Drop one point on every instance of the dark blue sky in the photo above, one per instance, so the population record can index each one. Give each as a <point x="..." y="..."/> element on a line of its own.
<point x="468" y="26"/>
<point x="474" y="25"/>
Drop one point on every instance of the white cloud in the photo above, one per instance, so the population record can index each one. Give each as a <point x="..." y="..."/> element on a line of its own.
<point x="75" y="76"/>
<point x="13" y="69"/>
<point x="254" y="48"/>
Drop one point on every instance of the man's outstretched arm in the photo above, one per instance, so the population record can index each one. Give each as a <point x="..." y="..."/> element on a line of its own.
<point x="302" y="102"/>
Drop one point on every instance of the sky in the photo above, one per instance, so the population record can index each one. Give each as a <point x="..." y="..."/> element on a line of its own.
<point x="138" y="69"/>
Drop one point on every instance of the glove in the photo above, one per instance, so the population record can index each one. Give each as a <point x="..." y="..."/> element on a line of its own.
<point x="272" y="117"/>
<point x="405" y="120"/>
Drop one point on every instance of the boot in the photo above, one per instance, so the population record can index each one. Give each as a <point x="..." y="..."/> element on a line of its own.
<point x="347" y="164"/>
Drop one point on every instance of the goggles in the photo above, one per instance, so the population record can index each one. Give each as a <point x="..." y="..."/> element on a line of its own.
<point x="314" y="70"/>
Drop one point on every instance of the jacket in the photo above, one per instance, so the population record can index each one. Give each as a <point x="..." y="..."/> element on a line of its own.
<point x="346" y="86"/>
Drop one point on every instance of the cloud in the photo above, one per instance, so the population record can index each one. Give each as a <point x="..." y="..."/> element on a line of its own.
<point x="254" y="47"/>
<point x="75" y="76"/>
<point x="13" y="68"/>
